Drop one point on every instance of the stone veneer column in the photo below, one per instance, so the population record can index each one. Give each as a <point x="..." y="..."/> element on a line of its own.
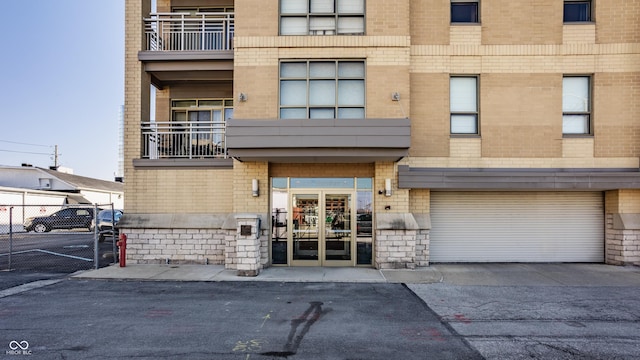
<point x="248" y="244"/>
<point x="396" y="241"/>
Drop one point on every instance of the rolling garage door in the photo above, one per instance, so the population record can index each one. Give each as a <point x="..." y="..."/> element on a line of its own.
<point x="517" y="227"/>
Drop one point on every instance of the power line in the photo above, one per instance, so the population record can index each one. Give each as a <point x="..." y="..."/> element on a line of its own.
<point x="21" y="143"/>
<point x="25" y="152"/>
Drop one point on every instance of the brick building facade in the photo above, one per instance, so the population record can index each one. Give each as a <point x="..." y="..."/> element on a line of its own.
<point x="435" y="131"/>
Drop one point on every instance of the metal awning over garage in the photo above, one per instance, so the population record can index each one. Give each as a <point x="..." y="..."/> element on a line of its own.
<point x="517" y="179"/>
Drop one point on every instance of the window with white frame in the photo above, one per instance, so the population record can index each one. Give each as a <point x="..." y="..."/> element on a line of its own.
<point x="463" y="102"/>
<point x="322" y="89"/>
<point x="576" y="105"/>
<point x="465" y="11"/>
<point x="577" y="11"/>
<point x="322" y="17"/>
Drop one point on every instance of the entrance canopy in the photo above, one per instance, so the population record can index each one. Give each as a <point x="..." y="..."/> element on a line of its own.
<point x="319" y="140"/>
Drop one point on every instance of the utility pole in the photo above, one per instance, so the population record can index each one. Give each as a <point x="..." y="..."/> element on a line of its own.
<point x="55" y="157"/>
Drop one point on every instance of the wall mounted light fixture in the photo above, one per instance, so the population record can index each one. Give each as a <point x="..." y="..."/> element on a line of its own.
<point x="242" y="97"/>
<point x="387" y="187"/>
<point x="255" y="191"/>
<point x="395" y="96"/>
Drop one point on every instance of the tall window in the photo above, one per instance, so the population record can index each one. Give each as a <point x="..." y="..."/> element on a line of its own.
<point x="463" y="100"/>
<point x="324" y="89"/>
<point x="204" y="118"/>
<point x="465" y="11"/>
<point x="322" y="17"/>
<point x="576" y="105"/>
<point x="577" y="11"/>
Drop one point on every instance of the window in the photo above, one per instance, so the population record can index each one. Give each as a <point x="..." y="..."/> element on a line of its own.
<point x="322" y="17"/>
<point x="203" y="118"/>
<point x="577" y="11"/>
<point x="576" y="105"/>
<point x="464" y="11"/>
<point x="463" y="99"/>
<point x="324" y="89"/>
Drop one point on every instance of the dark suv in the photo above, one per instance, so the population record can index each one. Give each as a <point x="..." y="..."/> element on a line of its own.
<point x="105" y="222"/>
<point x="68" y="218"/>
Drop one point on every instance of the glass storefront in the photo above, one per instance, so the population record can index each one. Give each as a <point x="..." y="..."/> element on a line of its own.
<point x="322" y="221"/>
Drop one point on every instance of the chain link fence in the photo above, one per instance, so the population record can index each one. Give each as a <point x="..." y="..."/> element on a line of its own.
<point x="55" y="238"/>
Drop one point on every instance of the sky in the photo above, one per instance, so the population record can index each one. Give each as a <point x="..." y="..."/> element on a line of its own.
<point x="62" y="76"/>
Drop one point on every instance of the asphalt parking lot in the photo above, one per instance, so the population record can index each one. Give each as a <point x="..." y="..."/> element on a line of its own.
<point x="491" y="311"/>
<point x="76" y="319"/>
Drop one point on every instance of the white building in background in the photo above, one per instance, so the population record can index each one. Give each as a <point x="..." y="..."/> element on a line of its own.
<point x="65" y="187"/>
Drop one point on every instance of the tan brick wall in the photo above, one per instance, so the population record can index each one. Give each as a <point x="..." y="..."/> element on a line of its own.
<point x="465" y="35"/>
<point x="260" y="83"/>
<point x="617" y="21"/>
<point x="243" y="199"/>
<point x="419" y="201"/>
<point x="381" y="82"/>
<point x="387" y="18"/>
<point x="258" y="18"/>
<point x="521" y="115"/>
<point x="629" y="200"/>
<point x="180" y="191"/>
<point x="616" y="110"/>
<point x="399" y="199"/>
<point x="430" y="22"/>
<point x="579" y="34"/>
<point x="136" y="91"/>
<point x="622" y="201"/>
<point x="430" y="115"/>
<point x="509" y="22"/>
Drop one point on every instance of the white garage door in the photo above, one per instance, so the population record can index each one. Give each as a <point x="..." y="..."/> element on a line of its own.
<point x="517" y="227"/>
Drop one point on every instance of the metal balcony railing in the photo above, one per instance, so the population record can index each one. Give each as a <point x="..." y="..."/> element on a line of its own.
<point x="189" y="32"/>
<point x="184" y="139"/>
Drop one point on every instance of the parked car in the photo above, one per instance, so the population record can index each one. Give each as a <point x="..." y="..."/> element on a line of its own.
<point x="364" y="224"/>
<point x="107" y="221"/>
<point x="68" y="218"/>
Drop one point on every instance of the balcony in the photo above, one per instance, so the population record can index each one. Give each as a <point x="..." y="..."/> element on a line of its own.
<point x="189" y="32"/>
<point x="188" y="47"/>
<point x="183" y="140"/>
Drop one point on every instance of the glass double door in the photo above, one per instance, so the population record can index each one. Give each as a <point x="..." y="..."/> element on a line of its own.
<point x="322" y="228"/>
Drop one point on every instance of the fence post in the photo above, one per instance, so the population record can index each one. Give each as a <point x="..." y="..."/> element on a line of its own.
<point x="11" y="234"/>
<point x="95" y="237"/>
<point x="113" y="232"/>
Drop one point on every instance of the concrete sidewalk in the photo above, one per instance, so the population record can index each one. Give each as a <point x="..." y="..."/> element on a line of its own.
<point x="455" y="274"/>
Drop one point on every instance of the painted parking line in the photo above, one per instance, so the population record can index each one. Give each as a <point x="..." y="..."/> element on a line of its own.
<point x="26" y="287"/>
<point x="48" y="252"/>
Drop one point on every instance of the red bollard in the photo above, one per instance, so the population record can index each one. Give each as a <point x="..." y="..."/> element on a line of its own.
<point x="122" y="244"/>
